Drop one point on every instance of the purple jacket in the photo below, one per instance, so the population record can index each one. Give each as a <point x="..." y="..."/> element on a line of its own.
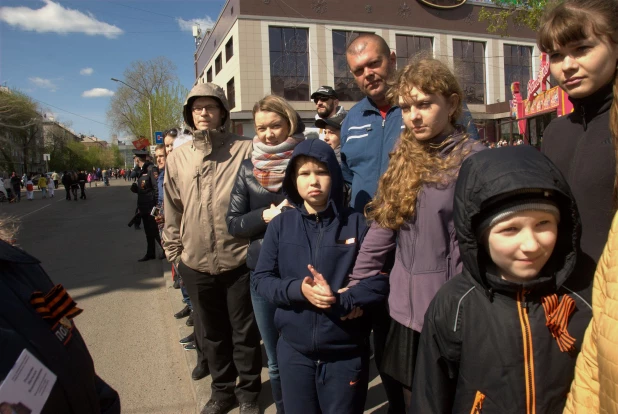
<point x="426" y="256"/>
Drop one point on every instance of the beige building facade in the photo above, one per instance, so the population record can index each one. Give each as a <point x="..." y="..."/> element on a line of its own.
<point x="291" y="48"/>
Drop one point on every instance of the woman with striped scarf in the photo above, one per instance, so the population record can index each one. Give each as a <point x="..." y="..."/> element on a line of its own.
<point x="257" y="198"/>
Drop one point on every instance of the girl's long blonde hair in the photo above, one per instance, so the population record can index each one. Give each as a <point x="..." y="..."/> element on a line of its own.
<point x="413" y="163"/>
<point x="575" y="20"/>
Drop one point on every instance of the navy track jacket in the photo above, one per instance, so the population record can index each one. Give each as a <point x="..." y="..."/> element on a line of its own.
<point x="330" y="241"/>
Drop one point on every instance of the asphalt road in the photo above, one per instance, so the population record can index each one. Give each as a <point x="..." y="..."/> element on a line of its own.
<point x="128" y="306"/>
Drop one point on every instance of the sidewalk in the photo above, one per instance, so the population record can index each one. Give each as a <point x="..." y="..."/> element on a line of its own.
<point x="376" y="399"/>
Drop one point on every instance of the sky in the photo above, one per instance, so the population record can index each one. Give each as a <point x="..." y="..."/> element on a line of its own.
<point x="63" y="53"/>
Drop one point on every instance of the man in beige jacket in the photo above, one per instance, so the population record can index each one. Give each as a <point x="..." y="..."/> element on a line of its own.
<point x="199" y="178"/>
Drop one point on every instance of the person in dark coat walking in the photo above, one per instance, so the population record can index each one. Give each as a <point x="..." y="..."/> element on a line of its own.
<point x="146" y="190"/>
<point x="81" y="178"/>
<point x="66" y="182"/>
<point x="503" y="335"/>
<point x="29" y="322"/>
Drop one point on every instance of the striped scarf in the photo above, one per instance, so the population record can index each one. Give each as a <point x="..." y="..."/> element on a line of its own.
<point x="270" y="162"/>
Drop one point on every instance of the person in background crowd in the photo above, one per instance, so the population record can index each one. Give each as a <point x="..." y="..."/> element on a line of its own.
<point x="327" y="103"/>
<point x="146" y="190"/>
<point x="212" y="262"/>
<point x="257" y="198"/>
<point x="74" y="184"/>
<point x="581" y="39"/>
<point x="24" y="178"/>
<point x="29" y="189"/>
<point x="51" y="186"/>
<point x="42" y="185"/>
<point x="518" y="231"/>
<point x="332" y="132"/>
<point x="16" y="186"/>
<point x="412" y="213"/>
<point x="66" y="182"/>
<point x="323" y="357"/>
<point x="55" y="177"/>
<point x="81" y="178"/>
<point x="168" y="139"/>
<point x="89" y="179"/>
<point x="169" y="136"/>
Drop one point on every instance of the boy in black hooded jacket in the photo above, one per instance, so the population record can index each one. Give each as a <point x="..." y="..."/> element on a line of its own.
<point x="323" y="357"/>
<point x="503" y="336"/>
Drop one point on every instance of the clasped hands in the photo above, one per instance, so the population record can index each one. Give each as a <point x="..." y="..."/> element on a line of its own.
<point x="318" y="292"/>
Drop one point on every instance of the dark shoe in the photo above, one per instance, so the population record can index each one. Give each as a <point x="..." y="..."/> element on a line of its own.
<point x="189" y="321"/>
<point x="146" y="258"/>
<point x="190" y="346"/>
<point x="188" y="339"/>
<point x="249" y="408"/>
<point x="183" y="313"/>
<point x="199" y="372"/>
<point x="176" y="283"/>
<point x="218" y="407"/>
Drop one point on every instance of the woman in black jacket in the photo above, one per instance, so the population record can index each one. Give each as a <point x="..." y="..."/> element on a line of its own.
<point x="257" y="198"/>
<point x="581" y="39"/>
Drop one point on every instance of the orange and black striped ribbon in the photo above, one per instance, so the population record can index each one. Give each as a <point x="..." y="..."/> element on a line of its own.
<point x="55" y="305"/>
<point x="557" y="314"/>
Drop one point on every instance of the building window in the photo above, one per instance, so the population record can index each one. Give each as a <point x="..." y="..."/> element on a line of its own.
<point x="517" y="68"/>
<point x="209" y="75"/>
<point x="410" y="46"/>
<point x="289" y="62"/>
<point x="470" y="69"/>
<point x="231" y="94"/>
<point x="345" y="85"/>
<point x="229" y="49"/>
<point x="218" y="64"/>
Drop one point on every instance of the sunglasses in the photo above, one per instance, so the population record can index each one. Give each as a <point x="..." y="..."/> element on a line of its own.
<point x="321" y="99"/>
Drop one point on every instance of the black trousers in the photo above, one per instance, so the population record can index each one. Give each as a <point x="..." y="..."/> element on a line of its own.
<point x="226" y="334"/>
<point x="74" y="191"/>
<point x="152" y="232"/>
<point x="82" y="188"/>
<point x="381" y="321"/>
<point x="68" y="190"/>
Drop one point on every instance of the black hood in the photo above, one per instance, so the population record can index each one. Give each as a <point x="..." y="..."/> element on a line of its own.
<point x="496" y="172"/>
<point x="323" y="153"/>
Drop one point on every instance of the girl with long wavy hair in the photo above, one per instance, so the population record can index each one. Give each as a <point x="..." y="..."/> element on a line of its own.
<point x="581" y="39"/>
<point x="412" y="212"/>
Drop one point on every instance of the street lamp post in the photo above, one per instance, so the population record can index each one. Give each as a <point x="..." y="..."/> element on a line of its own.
<point x="149" y="108"/>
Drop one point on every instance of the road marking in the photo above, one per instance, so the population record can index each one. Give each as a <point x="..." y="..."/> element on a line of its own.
<point x="38" y="209"/>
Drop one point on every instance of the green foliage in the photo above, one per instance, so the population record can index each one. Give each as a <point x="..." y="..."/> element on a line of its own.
<point x="76" y="156"/>
<point x="524" y="13"/>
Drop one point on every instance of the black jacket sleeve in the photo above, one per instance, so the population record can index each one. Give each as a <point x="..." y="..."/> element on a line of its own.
<point x="241" y="221"/>
<point x="437" y="362"/>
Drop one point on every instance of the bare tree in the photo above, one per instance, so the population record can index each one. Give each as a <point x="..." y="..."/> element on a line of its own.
<point x="156" y="80"/>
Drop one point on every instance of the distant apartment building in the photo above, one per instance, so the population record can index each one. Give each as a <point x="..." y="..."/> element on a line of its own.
<point x="93" y="141"/>
<point x="291" y="47"/>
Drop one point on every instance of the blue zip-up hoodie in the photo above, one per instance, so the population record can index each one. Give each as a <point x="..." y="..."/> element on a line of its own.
<point x="330" y="241"/>
<point x="366" y="142"/>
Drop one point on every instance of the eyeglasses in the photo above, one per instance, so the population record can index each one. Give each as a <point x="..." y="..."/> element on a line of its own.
<point x="209" y="108"/>
<point x="321" y="99"/>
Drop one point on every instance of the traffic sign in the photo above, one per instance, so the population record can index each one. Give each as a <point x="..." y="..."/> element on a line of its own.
<point x="158" y="137"/>
<point x="46" y="157"/>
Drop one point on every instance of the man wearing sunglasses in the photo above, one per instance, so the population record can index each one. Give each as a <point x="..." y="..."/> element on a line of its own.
<point x="326" y="105"/>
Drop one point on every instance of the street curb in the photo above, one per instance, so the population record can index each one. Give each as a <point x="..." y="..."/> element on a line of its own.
<point x="201" y="388"/>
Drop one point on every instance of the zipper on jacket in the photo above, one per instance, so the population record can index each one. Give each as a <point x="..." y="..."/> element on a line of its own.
<point x="522" y="308"/>
<point x="197" y="180"/>
<point x="315" y="265"/>
<point x="477" y="406"/>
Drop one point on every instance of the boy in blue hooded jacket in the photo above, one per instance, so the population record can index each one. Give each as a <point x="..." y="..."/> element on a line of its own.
<point x="323" y="356"/>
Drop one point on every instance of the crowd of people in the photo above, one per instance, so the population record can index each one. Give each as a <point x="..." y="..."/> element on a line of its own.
<point x="396" y="220"/>
<point x="473" y="267"/>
